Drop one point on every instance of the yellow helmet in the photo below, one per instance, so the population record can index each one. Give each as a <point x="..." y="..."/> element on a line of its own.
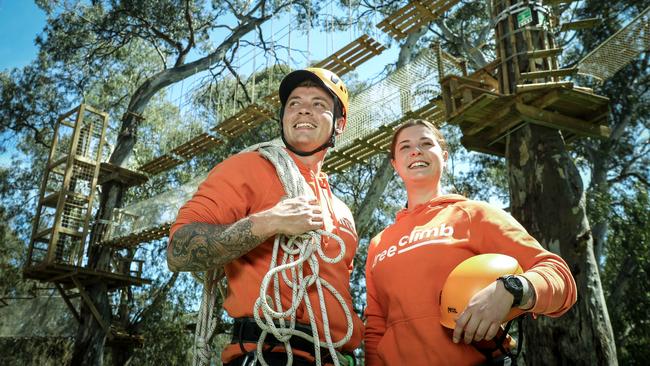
<point x="323" y="77"/>
<point x="468" y="278"/>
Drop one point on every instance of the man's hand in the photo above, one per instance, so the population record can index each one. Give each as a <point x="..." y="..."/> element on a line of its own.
<point x="200" y="246"/>
<point x="484" y="314"/>
<point x="292" y="216"/>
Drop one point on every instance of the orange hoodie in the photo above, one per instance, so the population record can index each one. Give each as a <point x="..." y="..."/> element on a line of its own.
<point x="247" y="183"/>
<point x="409" y="261"/>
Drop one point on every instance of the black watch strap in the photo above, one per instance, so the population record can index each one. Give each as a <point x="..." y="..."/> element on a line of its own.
<point x="513" y="285"/>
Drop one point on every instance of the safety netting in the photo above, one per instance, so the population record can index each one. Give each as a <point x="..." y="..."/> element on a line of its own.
<point x="405" y="90"/>
<point x="619" y="49"/>
<point x="151" y="213"/>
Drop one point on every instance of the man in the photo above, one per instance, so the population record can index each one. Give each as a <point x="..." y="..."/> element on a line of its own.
<point x="237" y="211"/>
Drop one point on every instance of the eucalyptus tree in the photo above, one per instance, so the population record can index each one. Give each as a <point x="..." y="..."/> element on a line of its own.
<point x="541" y="171"/>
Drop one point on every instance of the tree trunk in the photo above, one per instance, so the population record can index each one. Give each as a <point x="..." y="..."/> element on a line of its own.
<point x="89" y="343"/>
<point x="600" y="187"/>
<point x="373" y="196"/>
<point x="121" y="355"/>
<point x="547" y="197"/>
<point x="90" y="339"/>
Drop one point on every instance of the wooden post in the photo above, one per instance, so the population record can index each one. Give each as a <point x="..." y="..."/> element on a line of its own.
<point x="522" y="28"/>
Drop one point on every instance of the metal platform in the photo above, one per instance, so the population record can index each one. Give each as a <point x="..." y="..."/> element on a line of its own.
<point x="488" y="119"/>
<point x="109" y="172"/>
<point x="69" y="276"/>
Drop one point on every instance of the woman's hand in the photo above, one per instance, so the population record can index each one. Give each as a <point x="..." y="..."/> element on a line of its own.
<point x="484" y="314"/>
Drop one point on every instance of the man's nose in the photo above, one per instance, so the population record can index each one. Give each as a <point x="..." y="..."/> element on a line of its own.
<point x="415" y="151"/>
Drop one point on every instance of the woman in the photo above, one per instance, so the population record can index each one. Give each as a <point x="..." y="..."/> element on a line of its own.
<point x="409" y="261"/>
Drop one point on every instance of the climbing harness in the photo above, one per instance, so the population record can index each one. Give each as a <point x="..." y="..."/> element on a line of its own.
<point x="300" y="252"/>
<point x="499" y="350"/>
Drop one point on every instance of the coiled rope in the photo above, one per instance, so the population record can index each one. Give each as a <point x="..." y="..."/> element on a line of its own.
<point x="298" y="250"/>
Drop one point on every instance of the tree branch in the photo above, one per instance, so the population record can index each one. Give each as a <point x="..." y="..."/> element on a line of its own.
<point x="160" y="34"/>
<point x="190" y="41"/>
<point x="236" y="75"/>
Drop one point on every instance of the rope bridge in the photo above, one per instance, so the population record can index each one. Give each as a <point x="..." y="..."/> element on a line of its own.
<point x="405" y="93"/>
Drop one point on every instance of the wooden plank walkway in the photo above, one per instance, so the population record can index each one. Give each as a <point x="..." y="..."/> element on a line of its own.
<point x="412" y="16"/>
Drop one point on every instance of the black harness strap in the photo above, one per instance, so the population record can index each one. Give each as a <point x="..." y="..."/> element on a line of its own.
<point x="246" y="330"/>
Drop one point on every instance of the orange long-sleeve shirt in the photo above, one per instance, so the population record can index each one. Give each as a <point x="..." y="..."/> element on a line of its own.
<point x="409" y="261"/>
<point x="247" y="183"/>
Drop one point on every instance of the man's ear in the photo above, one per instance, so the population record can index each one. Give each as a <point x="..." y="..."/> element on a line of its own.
<point x="340" y="125"/>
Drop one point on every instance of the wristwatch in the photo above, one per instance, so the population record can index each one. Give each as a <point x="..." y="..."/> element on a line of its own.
<point x="513" y="284"/>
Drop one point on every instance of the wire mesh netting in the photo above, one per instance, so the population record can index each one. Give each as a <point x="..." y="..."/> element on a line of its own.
<point x="151" y="213"/>
<point x="619" y="49"/>
<point x="407" y="89"/>
<point x="90" y="135"/>
<point x="63" y="139"/>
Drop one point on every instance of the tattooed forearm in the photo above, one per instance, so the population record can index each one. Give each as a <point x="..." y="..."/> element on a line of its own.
<point x="199" y="246"/>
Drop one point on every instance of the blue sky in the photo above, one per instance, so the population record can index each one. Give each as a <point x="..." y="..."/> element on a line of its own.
<point x="20" y="22"/>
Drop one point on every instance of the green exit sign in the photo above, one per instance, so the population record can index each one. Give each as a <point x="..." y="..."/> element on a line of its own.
<point x="524" y="17"/>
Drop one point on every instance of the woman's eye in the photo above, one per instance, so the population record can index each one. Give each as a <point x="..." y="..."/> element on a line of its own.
<point x="404" y="147"/>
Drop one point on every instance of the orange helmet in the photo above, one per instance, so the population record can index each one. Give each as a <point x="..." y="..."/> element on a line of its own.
<point x="468" y="278"/>
<point x="325" y="78"/>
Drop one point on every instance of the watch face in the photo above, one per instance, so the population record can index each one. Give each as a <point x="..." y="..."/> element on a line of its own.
<point x="514" y="283"/>
<point x="515" y="287"/>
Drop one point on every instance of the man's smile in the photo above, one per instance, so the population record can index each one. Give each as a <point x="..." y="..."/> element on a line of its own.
<point x="418" y="164"/>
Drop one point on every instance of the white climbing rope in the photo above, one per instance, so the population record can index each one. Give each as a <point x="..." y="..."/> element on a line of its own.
<point x="298" y="251"/>
<point x="206" y="324"/>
